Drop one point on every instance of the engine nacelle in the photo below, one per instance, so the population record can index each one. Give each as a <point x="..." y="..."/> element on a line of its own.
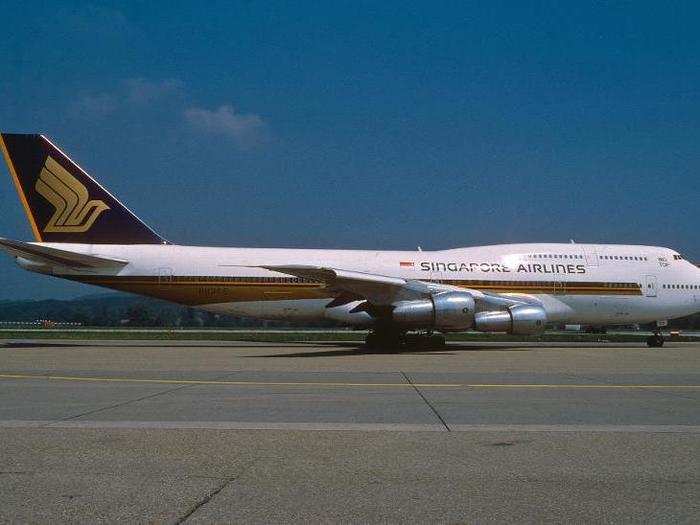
<point x="447" y="312"/>
<point x="519" y="320"/>
<point x="350" y="314"/>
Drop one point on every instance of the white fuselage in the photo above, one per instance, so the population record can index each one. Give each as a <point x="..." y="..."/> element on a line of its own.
<point x="576" y="283"/>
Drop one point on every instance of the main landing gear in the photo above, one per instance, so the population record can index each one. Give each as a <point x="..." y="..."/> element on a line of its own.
<point x="391" y="340"/>
<point x="656" y="340"/>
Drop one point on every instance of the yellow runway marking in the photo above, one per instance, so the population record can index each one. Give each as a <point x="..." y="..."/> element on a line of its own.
<point x="335" y="384"/>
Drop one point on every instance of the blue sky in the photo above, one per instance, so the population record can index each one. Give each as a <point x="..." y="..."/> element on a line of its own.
<point x="365" y="125"/>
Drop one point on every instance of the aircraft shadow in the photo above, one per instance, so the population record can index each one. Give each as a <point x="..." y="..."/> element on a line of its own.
<point x="356" y="348"/>
<point x="155" y="344"/>
<point x="352" y="349"/>
<point x="341" y="348"/>
<point x="37" y="344"/>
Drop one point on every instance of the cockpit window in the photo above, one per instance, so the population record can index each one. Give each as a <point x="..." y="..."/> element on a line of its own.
<point x="677" y="257"/>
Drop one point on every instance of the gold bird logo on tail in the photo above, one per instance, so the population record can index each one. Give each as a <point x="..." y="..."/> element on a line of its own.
<point x="74" y="213"/>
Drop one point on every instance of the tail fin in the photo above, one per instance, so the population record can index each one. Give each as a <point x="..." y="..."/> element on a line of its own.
<point x="63" y="203"/>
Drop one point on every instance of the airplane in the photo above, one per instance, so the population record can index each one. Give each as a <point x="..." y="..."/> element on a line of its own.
<point x="83" y="233"/>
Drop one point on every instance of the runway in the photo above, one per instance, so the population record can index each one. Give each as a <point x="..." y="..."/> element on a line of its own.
<point x="279" y="432"/>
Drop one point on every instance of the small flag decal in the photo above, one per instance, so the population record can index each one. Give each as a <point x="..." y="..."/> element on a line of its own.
<point x="406" y="264"/>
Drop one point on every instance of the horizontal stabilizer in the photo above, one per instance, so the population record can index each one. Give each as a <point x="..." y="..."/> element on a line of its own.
<point x="54" y="256"/>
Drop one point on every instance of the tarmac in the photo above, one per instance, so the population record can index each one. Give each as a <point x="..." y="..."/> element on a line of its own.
<point x="327" y="432"/>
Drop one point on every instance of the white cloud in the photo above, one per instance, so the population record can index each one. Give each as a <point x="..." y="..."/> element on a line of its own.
<point x="143" y="91"/>
<point x="96" y="105"/>
<point x="129" y="93"/>
<point x="139" y="98"/>
<point x="246" y="130"/>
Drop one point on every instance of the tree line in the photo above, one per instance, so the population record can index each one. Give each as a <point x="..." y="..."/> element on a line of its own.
<point x="114" y="310"/>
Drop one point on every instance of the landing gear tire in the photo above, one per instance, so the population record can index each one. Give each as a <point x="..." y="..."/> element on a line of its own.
<point x="390" y="341"/>
<point x="436" y="341"/>
<point x="384" y="341"/>
<point x="425" y="340"/>
<point x="371" y="341"/>
<point x="655" y="341"/>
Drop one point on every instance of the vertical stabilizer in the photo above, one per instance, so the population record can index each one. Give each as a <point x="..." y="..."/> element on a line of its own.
<point x="63" y="203"/>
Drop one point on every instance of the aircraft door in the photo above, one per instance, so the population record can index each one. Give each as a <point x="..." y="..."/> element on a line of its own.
<point x="650" y="285"/>
<point x="592" y="258"/>
<point x="559" y="287"/>
<point x="165" y="276"/>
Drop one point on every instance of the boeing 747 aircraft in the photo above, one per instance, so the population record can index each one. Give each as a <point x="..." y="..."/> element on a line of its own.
<point x="85" y="234"/>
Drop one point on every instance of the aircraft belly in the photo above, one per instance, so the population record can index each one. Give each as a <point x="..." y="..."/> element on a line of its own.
<point x="291" y="310"/>
<point x="611" y="310"/>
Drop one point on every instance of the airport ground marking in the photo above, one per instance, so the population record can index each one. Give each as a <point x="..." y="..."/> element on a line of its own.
<point x="336" y="384"/>
<point x="336" y="426"/>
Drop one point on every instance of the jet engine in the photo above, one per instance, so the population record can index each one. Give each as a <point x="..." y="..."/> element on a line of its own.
<point x="519" y="320"/>
<point x="456" y="311"/>
<point x="447" y="312"/>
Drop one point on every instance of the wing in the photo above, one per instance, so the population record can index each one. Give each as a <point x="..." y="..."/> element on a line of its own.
<point x="378" y="289"/>
<point x="56" y="257"/>
<point x="385" y="290"/>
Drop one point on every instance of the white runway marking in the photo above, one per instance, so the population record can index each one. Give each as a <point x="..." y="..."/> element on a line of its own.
<point x="339" y="383"/>
<point x="361" y="427"/>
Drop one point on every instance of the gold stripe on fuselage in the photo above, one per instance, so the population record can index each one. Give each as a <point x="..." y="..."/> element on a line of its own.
<point x="200" y="290"/>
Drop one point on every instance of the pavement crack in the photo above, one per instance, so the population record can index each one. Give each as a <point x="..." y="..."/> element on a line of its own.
<point x="213" y="493"/>
<point x="123" y="403"/>
<point x="425" y="400"/>
<point x="127" y="402"/>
